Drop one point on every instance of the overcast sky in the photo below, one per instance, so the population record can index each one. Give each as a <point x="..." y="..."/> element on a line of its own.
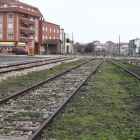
<point x="90" y="20"/>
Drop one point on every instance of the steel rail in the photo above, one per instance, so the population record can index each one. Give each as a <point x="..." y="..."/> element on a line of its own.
<point x="126" y="62"/>
<point x="18" y="69"/>
<point x="2" y="101"/>
<point x="1" y="67"/>
<point x="36" y="135"/>
<point x="125" y="69"/>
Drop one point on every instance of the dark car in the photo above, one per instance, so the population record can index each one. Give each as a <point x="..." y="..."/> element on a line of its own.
<point x="17" y="50"/>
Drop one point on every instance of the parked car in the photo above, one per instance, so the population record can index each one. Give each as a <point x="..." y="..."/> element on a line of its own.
<point x="18" y="50"/>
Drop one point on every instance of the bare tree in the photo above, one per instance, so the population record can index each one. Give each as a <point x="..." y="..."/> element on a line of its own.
<point x="89" y="48"/>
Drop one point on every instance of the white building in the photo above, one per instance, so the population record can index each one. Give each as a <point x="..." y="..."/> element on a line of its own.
<point x="67" y="45"/>
<point x="100" y="48"/>
<point x="124" y="49"/>
<point x="137" y="43"/>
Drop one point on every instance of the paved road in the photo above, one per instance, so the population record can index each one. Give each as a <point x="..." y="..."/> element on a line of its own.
<point x="5" y="59"/>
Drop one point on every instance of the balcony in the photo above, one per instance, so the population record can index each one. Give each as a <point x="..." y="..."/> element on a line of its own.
<point x="24" y="39"/>
<point x="27" y="30"/>
<point x="27" y="21"/>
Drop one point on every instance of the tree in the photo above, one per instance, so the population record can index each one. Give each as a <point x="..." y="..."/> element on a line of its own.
<point x="89" y="48"/>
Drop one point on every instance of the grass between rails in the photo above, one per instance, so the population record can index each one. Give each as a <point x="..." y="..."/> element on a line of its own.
<point x="15" y="84"/>
<point x="130" y="67"/>
<point x="123" y="64"/>
<point x="107" y="108"/>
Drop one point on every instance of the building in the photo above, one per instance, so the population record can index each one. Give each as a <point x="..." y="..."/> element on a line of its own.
<point x="137" y="43"/>
<point x="67" y="43"/>
<point x="110" y="46"/>
<point x="124" y="49"/>
<point x="49" y="37"/>
<point x="97" y="43"/>
<point x="134" y="46"/>
<point x="99" y="48"/>
<point x="20" y="21"/>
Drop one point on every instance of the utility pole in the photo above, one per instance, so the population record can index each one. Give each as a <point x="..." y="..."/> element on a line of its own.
<point x="73" y="45"/>
<point x="64" y="43"/>
<point x="119" y="45"/>
<point x="72" y="40"/>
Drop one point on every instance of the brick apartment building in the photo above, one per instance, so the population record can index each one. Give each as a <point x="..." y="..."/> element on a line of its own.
<point x="50" y="37"/>
<point x="19" y="22"/>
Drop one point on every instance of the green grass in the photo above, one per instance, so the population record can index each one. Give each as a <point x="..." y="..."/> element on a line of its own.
<point x="108" y="110"/>
<point x="31" y="115"/>
<point x="122" y="64"/>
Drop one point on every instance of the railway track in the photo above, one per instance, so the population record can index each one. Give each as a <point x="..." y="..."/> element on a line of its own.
<point x="23" y="115"/>
<point x="29" y="65"/>
<point x="107" y="105"/>
<point x="25" y="63"/>
<point x="131" y="68"/>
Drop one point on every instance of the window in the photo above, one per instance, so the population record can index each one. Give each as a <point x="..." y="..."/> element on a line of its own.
<point x="0" y="35"/>
<point x="10" y="35"/>
<point x="28" y="8"/>
<point x="10" y="25"/>
<point x="32" y="36"/>
<point x="43" y="37"/>
<point x="5" y="5"/>
<point x="50" y="37"/>
<point x="23" y="25"/>
<point x="23" y="16"/>
<point x="46" y="37"/>
<point x="10" y="15"/>
<point x="43" y="28"/>
<point x="57" y="31"/>
<point x="67" y="40"/>
<point x="36" y="20"/>
<point x="23" y="35"/>
<point x="54" y="30"/>
<point x="21" y="7"/>
<point x="46" y="29"/>
<point x="36" y="37"/>
<point x="13" y="5"/>
<point x="50" y="29"/>
<point x="32" y="18"/>
<point x="54" y="37"/>
<point x="0" y="15"/>
<point x="32" y="27"/>
<point x="0" y="25"/>
<point x="36" y="29"/>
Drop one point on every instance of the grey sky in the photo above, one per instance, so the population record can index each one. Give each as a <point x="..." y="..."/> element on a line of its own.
<point x="90" y="20"/>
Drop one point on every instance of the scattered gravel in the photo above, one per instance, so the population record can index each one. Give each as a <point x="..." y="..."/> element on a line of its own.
<point x="26" y="71"/>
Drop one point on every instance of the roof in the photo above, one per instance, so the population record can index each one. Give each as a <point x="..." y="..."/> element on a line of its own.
<point x="3" y="9"/>
<point x="51" y="41"/>
<point x="110" y="42"/>
<point x="96" y="42"/>
<point x="48" y="22"/>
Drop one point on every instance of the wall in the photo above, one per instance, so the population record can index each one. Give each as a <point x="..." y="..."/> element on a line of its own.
<point x="47" y="33"/>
